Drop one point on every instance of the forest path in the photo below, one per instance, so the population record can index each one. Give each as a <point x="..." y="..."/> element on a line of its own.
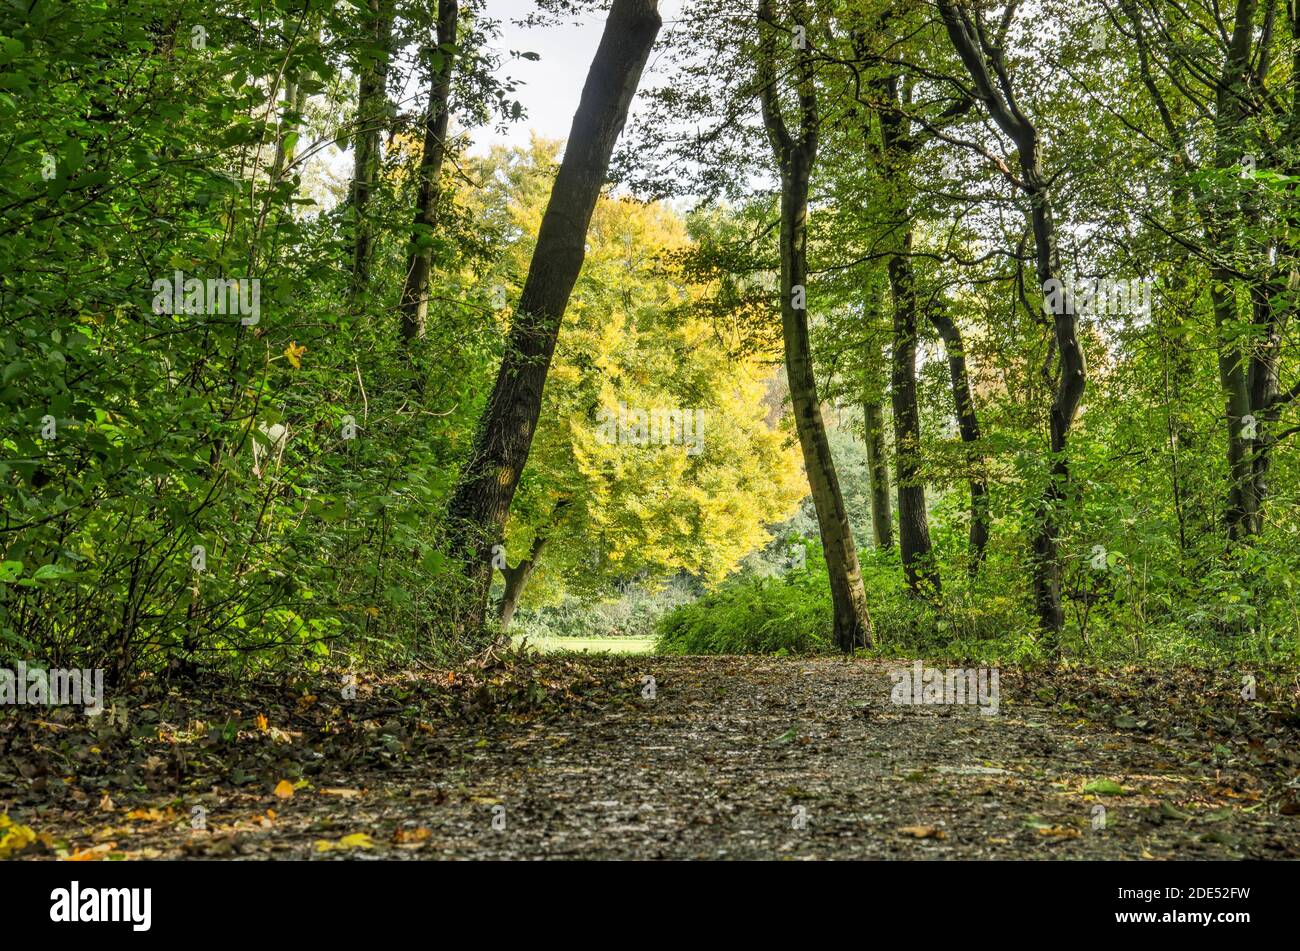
<point x="745" y="758"/>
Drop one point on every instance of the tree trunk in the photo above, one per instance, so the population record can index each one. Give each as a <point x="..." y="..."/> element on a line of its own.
<point x="913" y="524"/>
<point x="419" y="260"/>
<point x="882" y="528"/>
<point x="516" y="579"/>
<point x="1239" y="514"/>
<point x="852" y="621"/>
<point x="481" y="501"/>
<point x="372" y="116"/>
<point x="979" y="54"/>
<point x="969" y="427"/>
<point x="873" y="417"/>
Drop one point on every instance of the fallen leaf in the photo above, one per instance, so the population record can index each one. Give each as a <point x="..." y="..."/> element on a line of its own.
<point x="923" y="832"/>
<point x="1104" y="787"/>
<point x="284" y="789"/>
<point x="357" y="840"/>
<point x="93" y="854"/>
<point x="1064" y="832"/>
<point x="150" y="815"/>
<point x="410" y="836"/>
<point x="14" y="837"/>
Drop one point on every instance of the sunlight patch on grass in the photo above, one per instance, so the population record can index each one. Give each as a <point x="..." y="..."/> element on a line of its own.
<point x="596" y="645"/>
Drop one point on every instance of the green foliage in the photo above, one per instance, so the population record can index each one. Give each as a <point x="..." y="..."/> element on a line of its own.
<point x="753" y="616"/>
<point x="187" y="488"/>
<point x="179" y="486"/>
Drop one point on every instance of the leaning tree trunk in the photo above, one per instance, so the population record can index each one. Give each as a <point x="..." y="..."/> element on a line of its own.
<point x="913" y="525"/>
<point x="852" y="622"/>
<point x="372" y="116"/>
<point x="969" y="427"/>
<point x="419" y="261"/>
<point x="481" y="501"/>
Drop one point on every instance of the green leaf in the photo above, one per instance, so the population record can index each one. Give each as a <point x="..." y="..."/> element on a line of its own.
<point x="1104" y="787"/>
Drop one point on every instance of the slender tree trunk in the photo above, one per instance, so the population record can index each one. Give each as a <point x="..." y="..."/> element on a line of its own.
<point x="419" y="260"/>
<point x="969" y="427"/>
<point x="914" y="545"/>
<point x="1184" y="438"/>
<point x="873" y="418"/>
<point x="913" y="525"/>
<point x="481" y="501"/>
<point x="372" y="117"/>
<point x="295" y="100"/>
<point x="852" y="621"/>
<point x="1221" y="222"/>
<point x="1285" y="291"/>
<point x="980" y="54"/>
<point x="848" y="597"/>
<point x="516" y="579"/>
<point x="882" y="528"/>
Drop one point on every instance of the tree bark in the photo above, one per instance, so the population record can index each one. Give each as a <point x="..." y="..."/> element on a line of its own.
<point x="873" y="418"/>
<point x="969" y="427"/>
<point x="516" y="579"/>
<point x="852" y="621"/>
<point x="372" y="116"/>
<point x="913" y="525"/>
<point x="481" y="501"/>
<point x="914" y="544"/>
<point x="419" y="260"/>
<point x="980" y="54"/>
<point x="882" y="528"/>
<point x="1222" y="219"/>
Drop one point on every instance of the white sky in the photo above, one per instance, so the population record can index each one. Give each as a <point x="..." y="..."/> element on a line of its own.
<point x="551" y="86"/>
<point x="548" y="88"/>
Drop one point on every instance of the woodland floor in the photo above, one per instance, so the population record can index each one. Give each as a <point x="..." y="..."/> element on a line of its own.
<point x="716" y="765"/>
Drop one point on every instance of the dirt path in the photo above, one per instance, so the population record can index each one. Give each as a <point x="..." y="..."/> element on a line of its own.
<point x="741" y="758"/>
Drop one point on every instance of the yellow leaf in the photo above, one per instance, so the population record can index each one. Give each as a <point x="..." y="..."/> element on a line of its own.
<point x="284" y="789"/>
<point x="147" y="815"/>
<point x="261" y="722"/>
<point x="293" y="353"/>
<point x="357" y="840"/>
<point x="13" y="837"/>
